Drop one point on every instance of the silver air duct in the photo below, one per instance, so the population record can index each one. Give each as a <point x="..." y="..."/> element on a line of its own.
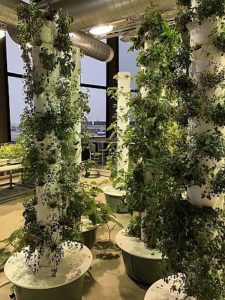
<point x="92" y="47"/>
<point x="8" y="12"/>
<point x="88" y="45"/>
<point x="89" y="13"/>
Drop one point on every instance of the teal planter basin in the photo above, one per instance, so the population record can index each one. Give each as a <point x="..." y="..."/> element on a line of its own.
<point x="141" y="264"/>
<point x="71" y="291"/>
<point x="67" y="284"/>
<point x="89" y="236"/>
<point x="113" y="198"/>
<point x="143" y="270"/>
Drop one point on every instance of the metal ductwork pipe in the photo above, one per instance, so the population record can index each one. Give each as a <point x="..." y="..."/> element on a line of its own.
<point x="8" y="13"/>
<point x="89" y="13"/>
<point x="89" y="46"/>
<point x="92" y="47"/>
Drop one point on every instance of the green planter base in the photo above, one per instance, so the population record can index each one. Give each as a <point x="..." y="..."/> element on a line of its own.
<point x="89" y="237"/>
<point x="67" y="284"/>
<point x="144" y="270"/>
<point x="113" y="198"/>
<point x="141" y="264"/>
<point x="71" y="291"/>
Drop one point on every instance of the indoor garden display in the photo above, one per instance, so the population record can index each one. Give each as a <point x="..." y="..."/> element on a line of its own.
<point x="95" y="214"/>
<point x="48" y="264"/>
<point x="193" y="231"/>
<point x="118" y="160"/>
<point x="151" y="141"/>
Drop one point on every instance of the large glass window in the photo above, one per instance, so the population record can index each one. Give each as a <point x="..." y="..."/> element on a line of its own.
<point x="93" y="71"/>
<point x="16" y="103"/>
<point x="93" y="76"/>
<point x="96" y="119"/>
<point x="14" y="60"/>
<point x="127" y="60"/>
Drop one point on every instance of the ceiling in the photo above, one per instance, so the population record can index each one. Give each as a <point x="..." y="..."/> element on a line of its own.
<point x="124" y="15"/>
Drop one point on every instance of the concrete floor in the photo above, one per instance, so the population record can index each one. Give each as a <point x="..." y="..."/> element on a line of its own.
<point x="109" y="280"/>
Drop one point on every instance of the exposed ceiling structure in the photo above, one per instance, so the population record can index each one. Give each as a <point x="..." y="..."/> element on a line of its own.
<point x="124" y="15"/>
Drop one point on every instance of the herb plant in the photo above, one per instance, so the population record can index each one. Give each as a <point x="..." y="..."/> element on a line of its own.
<point x="152" y="138"/>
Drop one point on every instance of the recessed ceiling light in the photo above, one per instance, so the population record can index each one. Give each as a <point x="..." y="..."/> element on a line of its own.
<point x="102" y="29"/>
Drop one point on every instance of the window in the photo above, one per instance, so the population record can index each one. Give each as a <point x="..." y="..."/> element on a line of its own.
<point x="14" y="60"/>
<point x="93" y="82"/>
<point x="93" y="71"/>
<point x="16" y="103"/>
<point x="127" y="60"/>
<point x="93" y="77"/>
<point x="96" y="119"/>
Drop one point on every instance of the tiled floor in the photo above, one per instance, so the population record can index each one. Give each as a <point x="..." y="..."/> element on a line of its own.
<point x="109" y="281"/>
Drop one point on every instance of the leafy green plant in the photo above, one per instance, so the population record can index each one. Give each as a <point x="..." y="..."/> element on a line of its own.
<point x="134" y="226"/>
<point x="153" y="136"/>
<point x="14" y="151"/>
<point x="117" y="175"/>
<point x="192" y="236"/>
<point x="53" y="107"/>
<point x="219" y="38"/>
<point x="100" y="214"/>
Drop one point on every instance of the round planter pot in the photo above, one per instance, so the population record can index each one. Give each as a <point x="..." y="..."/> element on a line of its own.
<point x="89" y="235"/>
<point x="141" y="264"/>
<point x="113" y="198"/>
<point x="67" y="283"/>
<point x="161" y="290"/>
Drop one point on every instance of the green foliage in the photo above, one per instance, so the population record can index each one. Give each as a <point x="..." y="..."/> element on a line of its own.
<point x="4" y="255"/>
<point x="49" y="136"/>
<point x="14" y="151"/>
<point x="194" y="239"/>
<point x="210" y="8"/>
<point x="152" y="139"/>
<point x="134" y="227"/>
<point x="117" y="176"/>
<point x="219" y="38"/>
<point x="150" y="28"/>
<point x="97" y="212"/>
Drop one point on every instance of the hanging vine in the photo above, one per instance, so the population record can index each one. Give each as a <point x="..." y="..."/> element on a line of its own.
<point x="192" y="236"/>
<point x="53" y="106"/>
<point x="152" y="138"/>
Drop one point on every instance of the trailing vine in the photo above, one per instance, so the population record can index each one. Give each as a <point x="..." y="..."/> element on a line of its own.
<point x="192" y="219"/>
<point x="152" y="138"/>
<point x="53" y="107"/>
<point x="115" y="162"/>
<point x="194" y="243"/>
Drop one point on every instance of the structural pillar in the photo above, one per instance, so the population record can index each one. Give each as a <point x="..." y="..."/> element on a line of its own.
<point x="5" y="135"/>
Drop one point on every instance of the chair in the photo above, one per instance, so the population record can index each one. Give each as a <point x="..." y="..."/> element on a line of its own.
<point x="94" y="154"/>
<point x="103" y="151"/>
